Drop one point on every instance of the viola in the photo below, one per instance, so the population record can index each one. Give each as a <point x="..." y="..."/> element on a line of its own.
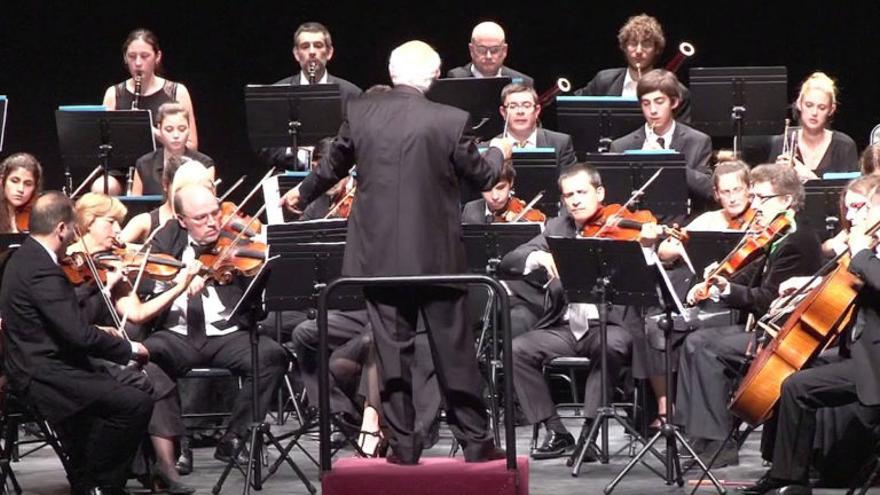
<point x="743" y="220"/>
<point x="231" y="255"/>
<point x="23" y="218"/>
<point x="747" y="250"/>
<point x="235" y="221"/>
<point x="616" y="222"/>
<point x="514" y="209"/>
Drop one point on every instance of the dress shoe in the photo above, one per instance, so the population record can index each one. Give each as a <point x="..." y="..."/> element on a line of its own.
<point x="794" y="489"/>
<point x="174" y="487"/>
<point x="484" y="452"/>
<point x="554" y="445"/>
<point x="766" y="484"/>
<point x="394" y="458"/>
<point x="184" y="462"/>
<point x="228" y="446"/>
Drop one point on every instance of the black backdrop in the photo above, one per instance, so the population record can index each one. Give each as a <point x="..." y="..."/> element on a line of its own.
<point x="56" y="53"/>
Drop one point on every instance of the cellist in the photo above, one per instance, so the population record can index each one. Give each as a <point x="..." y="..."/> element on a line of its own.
<point x="853" y="380"/>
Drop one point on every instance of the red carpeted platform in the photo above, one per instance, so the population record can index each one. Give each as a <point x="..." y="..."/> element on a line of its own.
<point x="433" y="475"/>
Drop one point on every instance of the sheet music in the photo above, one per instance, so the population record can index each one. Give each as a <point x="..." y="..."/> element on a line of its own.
<point x="272" y="199"/>
<point x="4" y="103"/>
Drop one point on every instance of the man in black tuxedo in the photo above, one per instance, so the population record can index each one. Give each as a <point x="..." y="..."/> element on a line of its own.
<point x="520" y="109"/>
<point x="312" y="50"/>
<point x="189" y="334"/>
<point x="488" y="51"/>
<point x="852" y="381"/>
<point x="708" y="355"/>
<point x="641" y="40"/>
<point x="407" y="149"/>
<point x="660" y="95"/>
<point x="99" y="420"/>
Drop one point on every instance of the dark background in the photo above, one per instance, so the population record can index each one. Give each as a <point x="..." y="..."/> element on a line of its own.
<point x="58" y="53"/>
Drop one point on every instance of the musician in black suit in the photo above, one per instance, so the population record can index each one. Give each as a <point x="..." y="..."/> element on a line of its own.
<point x="660" y="95"/>
<point x="642" y="42"/>
<point x="520" y="109"/>
<point x="565" y="329"/>
<point x="709" y="355"/>
<point x="488" y="51"/>
<point x="312" y="48"/>
<point x="48" y="345"/>
<point x="852" y="380"/>
<point x="408" y="149"/>
<point x="188" y="335"/>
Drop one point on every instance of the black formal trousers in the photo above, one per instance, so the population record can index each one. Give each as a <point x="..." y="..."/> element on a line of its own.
<point x="102" y="439"/>
<point x="707" y="365"/>
<point x="394" y="314"/>
<point x="532" y="350"/>
<point x="176" y="355"/>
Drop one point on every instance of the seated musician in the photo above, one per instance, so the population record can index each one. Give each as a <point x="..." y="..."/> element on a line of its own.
<point x="850" y="380"/>
<point x="642" y="42"/>
<point x="869" y="162"/>
<point x="495" y="206"/>
<point x="520" y="108"/>
<point x="488" y="50"/>
<point x="660" y="96"/>
<point x="188" y="336"/>
<point x="173" y="123"/>
<point x="48" y="343"/>
<point x="98" y="217"/>
<point x="703" y="386"/>
<point x="566" y="329"/>
<point x="21" y="178"/>
<point x="815" y="148"/>
<point x="139" y="228"/>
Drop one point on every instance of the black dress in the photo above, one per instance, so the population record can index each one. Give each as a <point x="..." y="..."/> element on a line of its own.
<point x="167" y="94"/>
<point x="150" y="167"/>
<point x="841" y="155"/>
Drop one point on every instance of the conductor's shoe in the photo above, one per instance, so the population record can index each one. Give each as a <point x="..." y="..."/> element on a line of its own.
<point x="767" y="484"/>
<point x="485" y="452"/>
<point x="794" y="489"/>
<point x="554" y="445"/>
<point x="231" y="445"/>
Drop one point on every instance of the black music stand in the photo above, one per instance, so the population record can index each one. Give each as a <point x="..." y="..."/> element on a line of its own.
<point x="623" y="173"/>
<point x="594" y="121"/>
<point x="738" y="101"/>
<point x="260" y="433"/>
<point x="3" y="104"/>
<point x="822" y="206"/>
<point x="706" y="246"/>
<point x="141" y="204"/>
<point x="114" y="139"/>
<point x="536" y="171"/>
<point x="291" y="115"/>
<point x="480" y="97"/>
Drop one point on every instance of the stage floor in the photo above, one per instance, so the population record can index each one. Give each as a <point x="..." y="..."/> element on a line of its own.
<point x="41" y="473"/>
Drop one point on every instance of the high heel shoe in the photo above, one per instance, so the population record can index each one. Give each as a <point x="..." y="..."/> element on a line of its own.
<point x="372" y="444"/>
<point x="174" y="487"/>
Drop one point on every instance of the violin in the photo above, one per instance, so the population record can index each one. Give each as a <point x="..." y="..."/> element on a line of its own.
<point x="235" y="221"/>
<point x="514" y="213"/>
<point x="23" y="218"/>
<point x="340" y="205"/>
<point x="161" y="267"/>
<point x="743" y="220"/>
<point x="616" y="222"/>
<point x="231" y="255"/>
<point x="747" y="250"/>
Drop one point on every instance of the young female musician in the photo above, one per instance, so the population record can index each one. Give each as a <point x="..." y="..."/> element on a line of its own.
<point x="814" y="148"/>
<point x="21" y="176"/>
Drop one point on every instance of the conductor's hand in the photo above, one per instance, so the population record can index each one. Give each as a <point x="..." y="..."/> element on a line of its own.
<point x="545" y="261"/>
<point x="140" y="353"/>
<point x="291" y="200"/>
<point x="503" y="144"/>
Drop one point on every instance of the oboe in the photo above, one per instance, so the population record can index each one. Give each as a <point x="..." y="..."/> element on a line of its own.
<point x="312" y="71"/>
<point x="137" y="92"/>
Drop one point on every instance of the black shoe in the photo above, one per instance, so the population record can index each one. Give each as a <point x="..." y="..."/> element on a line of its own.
<point x="338" y="440"/>
<point x="794" y="489"/>
<point x="231" y="445"/>
<point x="729" y="455"/>
<point x="174" y="487"/>
<point x="486" y="451"/>
<point x="394" y="458"/>
<point x="555" y="445"/>
<point x="765" y="484"/>
<point x="184" y="462"/>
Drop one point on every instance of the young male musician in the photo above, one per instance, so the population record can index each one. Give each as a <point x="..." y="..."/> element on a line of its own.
<point x="47" y="343"/>
<point x="703" y="384"/>
<point x="660" y="94"/>
<point x="488" y="50"/>
<point x="565" y="329"/>
<point x="520" y="109"/>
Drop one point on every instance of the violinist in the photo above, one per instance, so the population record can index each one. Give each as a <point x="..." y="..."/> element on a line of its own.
<point x="97" y="218"/>
<point x="565" y="329"/>
<point x="703" y="385"/>
<point x="48" y="343"/>
<point x="499" y="204"/>
<point x="850" y="380"/>
<point x="21" y="177"/>
<point x="187" y="335"/>
<point x="520" y="109"/>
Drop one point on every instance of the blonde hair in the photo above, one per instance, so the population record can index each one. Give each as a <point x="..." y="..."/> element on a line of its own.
<point x="820" y="81"/>
<point x="93" y="205"/>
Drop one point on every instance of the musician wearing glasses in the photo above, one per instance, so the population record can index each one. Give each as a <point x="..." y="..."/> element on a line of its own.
<point x="520" y="109"/>
<point x="659" y="93"/>
<point x="814" y="148"/>
<point x="488" y="51"/>
<point x="848" y="377"/>
<point x="708" y="354"/>
<point x="642" y="42"/>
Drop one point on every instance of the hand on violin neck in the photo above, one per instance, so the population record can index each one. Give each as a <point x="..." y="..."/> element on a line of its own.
<point x="186" y="276"/>
<point x="648" y="234"/>
<point x="196" y="285"/>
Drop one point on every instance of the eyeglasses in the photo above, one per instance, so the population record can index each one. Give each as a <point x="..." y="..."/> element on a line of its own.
<point x="526" y="105"/>
<point x="491" y="50"/>
<point x="763" y="199"/>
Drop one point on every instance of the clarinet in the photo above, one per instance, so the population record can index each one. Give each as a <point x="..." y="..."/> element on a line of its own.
<point x="129" y="184"/>
<point x="137" y="92"/>
<point x="312" y="70"/>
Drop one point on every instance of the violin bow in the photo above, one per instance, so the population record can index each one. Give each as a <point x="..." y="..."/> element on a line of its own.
<point x="233" y="187"/>
<point x="85" y="181"/>
<point x="137" y="282"/>
<point x="105" y="296"/>
<point x="225" y="254"/>
<point x="635" y="194"/>
<point x="528" y="207"/>
<point x="248" y="197"/>
<point x="349" y="194"/>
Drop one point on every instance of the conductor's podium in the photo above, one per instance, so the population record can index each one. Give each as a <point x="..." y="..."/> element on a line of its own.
<point x="433" y="475"/>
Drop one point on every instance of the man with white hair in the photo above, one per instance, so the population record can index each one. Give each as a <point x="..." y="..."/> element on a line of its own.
<point x="488" y="51"/>
<point x="407" y="149"/>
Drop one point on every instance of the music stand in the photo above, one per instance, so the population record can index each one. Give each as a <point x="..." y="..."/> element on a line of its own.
<point x="822" y="206"/>
<point x="274" y="189"/>
<point x="594" y="121"/>
<point x="3" y="104"/>
<point x="536" y="170"/>
<point x="141" y="204"/>
<point x="738" y="101"/>
<point x="480" y="97"/>
<point x="259" y="432"/>
<point x="706" y="246"/>
<point x="114" y="139"/>
<point x="11" y="241"/>
<point x="291" y="115"/>
<point x="623" y="173"/>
